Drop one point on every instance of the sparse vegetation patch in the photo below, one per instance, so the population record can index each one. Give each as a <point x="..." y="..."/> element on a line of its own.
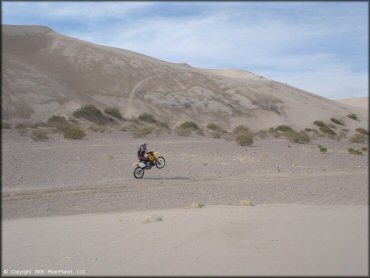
<point x="58" y="122"/>
<point x="244" y="139"/>
<point x="39" y="135"/>
<point x="196" y="205"/>
<point x="247" y="203"/>
<point x="74" y="133"/>
<point x="322" y="149"/>
<point x="187" y="128"/>
<point x="91" y="113"/>
<point x="352" y="116"/>
<point x="362" y="131"/>
<point x="114" y="112"/>
<point x="358" y="138"/>
<point x="336" y="121"/>
<point x="145" y="117"/>
<point x="354" y="151"/>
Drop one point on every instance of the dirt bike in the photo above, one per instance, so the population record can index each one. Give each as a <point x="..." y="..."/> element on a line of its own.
<point x="154" y="160"/>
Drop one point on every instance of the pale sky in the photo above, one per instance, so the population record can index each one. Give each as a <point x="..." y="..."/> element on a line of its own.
<point x="320" y="47"/>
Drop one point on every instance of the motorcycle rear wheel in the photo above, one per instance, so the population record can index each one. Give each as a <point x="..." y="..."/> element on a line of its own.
<point x="138" y="173"/>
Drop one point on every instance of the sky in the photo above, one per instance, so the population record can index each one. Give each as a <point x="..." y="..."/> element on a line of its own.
<point x="320" y="47"/>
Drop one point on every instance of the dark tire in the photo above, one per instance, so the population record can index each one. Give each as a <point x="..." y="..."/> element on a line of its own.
<point x="160" y="162"/>
<point x="138" y="173"/>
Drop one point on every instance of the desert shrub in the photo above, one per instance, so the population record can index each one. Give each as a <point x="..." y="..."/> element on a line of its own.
<point x="322" y="149"/>
<point x="334" y="120"/>
<point x="189" y="125"/>
<point x="187" y="128"/>
<point x="244" y="138"/>
<point x="6" y="125"/>
<point x="141" y="132"/>
<point x="362" y="131"/>
<point x="364" y="149"/>
<point x="354" y="151"/>
<point x="74" y="133"/>
<point x="352" y="116"/>
<point x="58" y="122"/>
<point x="358" y="138"/>
<point x="114" y="112"/>
<point x="97" y="128"/>
<point x="327" y="130"/>
<point x="145" y="117"/>
<point x="91" y="113"/>
<point x="247" y="203"/>
<point x="213" y="127"/>
<point x="344" y="130"/>
<point x="39" y="135"/>
<point x="240" y="129"/>
<point x="300" y="137"/>
<point x="196" y="205"/>
<point x="319" y="124"/>
<point x="283" y="128"/>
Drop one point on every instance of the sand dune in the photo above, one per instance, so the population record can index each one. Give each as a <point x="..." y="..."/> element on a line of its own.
<point x="47" y="74"/>
<point x="362" y="102"/>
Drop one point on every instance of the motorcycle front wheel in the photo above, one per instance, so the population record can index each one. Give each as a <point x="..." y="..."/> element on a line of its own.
<point x="138" y="173"/>
<point x="160" y="162"/>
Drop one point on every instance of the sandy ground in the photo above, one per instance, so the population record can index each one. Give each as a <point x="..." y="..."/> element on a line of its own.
<point x="75" y="205"/>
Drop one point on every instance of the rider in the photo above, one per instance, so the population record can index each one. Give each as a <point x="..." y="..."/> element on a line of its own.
<point x="142" y="153"/>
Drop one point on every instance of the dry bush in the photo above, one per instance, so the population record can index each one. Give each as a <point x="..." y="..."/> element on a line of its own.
<point x="283" y="128"/>
<point x="91" y="113"/>
<point x="187" y="128"/>
<point x="364" y="149"/>
<point x="145" y="117"/>
<point x="74" y="133"/>
<point x="240" y="129"/>
<point x="244" y="139"/>
<point x="58" y="122"/>
<point x="354" y="151"/>
<point x="336" y="121"/>
<point x="190" y="125"/>
<point x="247" y="203"/>
<point x="300" y="137"/>
<point x="114" y="112"/>
<point x="362" y="131"/>
<point x="322" y="149"/>
<point x="352" y="116"/>
<point x="358" y="138"/>
<point x="39" y="135"/>
<point x="196" y="205"/>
